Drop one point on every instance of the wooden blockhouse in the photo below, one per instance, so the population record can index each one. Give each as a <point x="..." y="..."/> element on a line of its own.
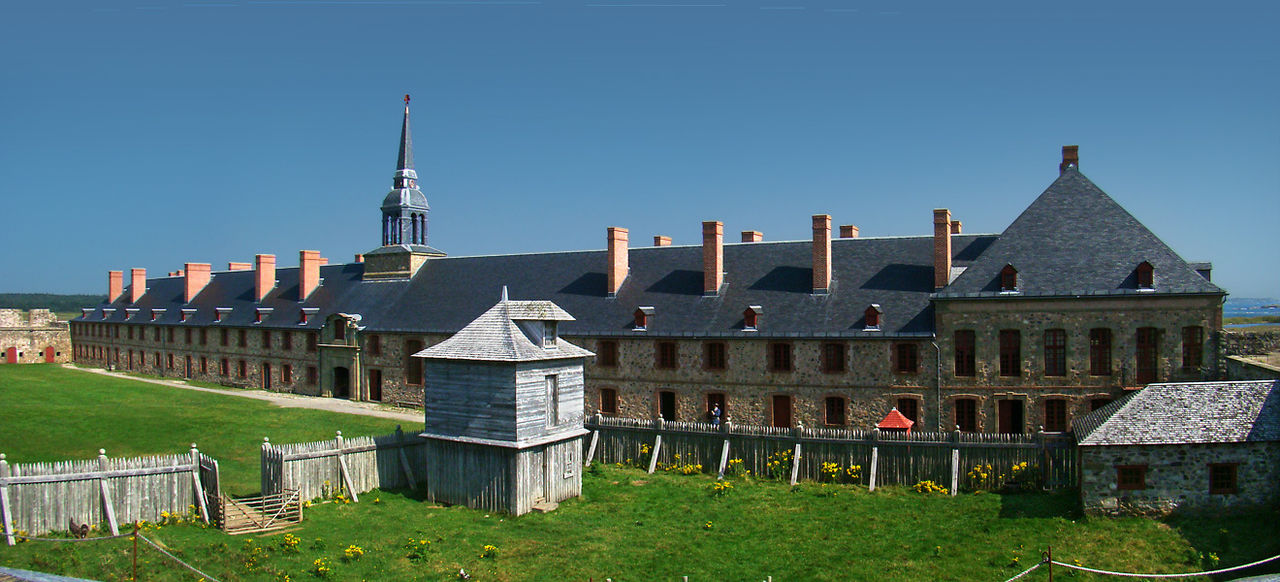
<point x="504" y="410"/>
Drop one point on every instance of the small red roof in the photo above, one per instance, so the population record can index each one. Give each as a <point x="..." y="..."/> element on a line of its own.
<point x="895" y="420"/>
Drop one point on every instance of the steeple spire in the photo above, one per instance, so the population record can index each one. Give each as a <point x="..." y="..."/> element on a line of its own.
<point x="405" y="161"/>
<point x="404" y="210"/>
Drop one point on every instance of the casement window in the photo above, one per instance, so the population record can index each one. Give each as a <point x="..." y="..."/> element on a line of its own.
<point x="1146" y="276"/>
<point x="169" y="335"/>
<point x="966" y="414"/>
<point x="910" y="408"/>
<point x="1131" y="477"/>
<point x="1055" y="415"/>
<point x="266" y="339"/>
<point x="170" y="362"/>
<point x="286" y="340"/>
<point x="964" y="353"/>
<point x="1008" y="279"/>
<point x="187" y="336"/>
<point x="906" y="358"/>
<point x="833" y="357"/>
<point x="204" y="336"/>
<point x="374" y="343"/>
<point x="715" y="356"/>
<point x="339" y="331"/>
<point x="224" y="337"/>
<point x="642" y="316"/>
<point x="607" y="353"/>
<point x="779" y="357"/>
<point x="225" y="367"/>
<point x="751" y="317"/>
<point x="130" y="332"/>
<point x="666" y="356"/>
<point x="1192" y="348"/>
<point x="1055" y="352"/>
<point x="1147" y="354"/>
<point x="156" y="360"/>
<point x="1100" y="351"/>
<point x="550" y="333"/>
<point x="242" y="369"/>
<point x="871" y="318"/>
<point x="553" y="399"/>
<point x="312" y="339"/>
<point x="286" y="373"/>
<point x="609" y="401"/>
<point x="242" y="338"/>
<point x="204" y="365"/>
<point x="1010" y="352"/>
<point x="412" y="365"/>
<point x="1222" y="478"/>
<point x="312" y="376"/>
<point x="836" y="411"/>
<point x="155" y="334"/>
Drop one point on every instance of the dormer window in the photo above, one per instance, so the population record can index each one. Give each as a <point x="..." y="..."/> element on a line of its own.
<point x="156" y="314"/>
<point x="187" y="313"/>
<point x="871" y="318"/>
<point x="1146" y="275"/>
<point x="220" y="312"/>
<point x="548" y="334"/>
<point x="306" y="314"/>
<point x="261" y="313"/>
<point x="129" y="312"/>
<point x="1008" y="279"/>
<point x="751" y="317"/>
<point x="85" y="312"/>
<point x="643" y="315"/>
<point x="107" y="313"/>
<point x="340" y="331"/>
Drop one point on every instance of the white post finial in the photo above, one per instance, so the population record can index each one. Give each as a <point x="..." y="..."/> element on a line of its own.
<point x="504" y="294"/>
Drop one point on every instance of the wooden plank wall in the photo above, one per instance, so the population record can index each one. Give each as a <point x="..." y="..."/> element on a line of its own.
<point x="371" y="463"/>
<point x="139" y="488"/>
<point x="901" y="459"/>
<point x="477" y="476"/>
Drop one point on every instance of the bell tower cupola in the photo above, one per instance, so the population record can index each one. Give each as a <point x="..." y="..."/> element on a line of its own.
<point x="404" y="219"/>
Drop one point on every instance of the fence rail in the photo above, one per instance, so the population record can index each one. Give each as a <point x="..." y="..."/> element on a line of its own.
<point x="42" y="497"/>
<point x="360" y="464"/>
<point x="886" y="458"/>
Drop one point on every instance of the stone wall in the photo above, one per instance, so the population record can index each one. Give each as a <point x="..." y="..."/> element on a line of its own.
<point x="29" y="336"/>
<point x="1177" y="478"/>
<point x="1239" y="368"/>
<point x="1243" y="343"/>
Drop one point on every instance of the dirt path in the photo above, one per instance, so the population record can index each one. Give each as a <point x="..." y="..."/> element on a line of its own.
<point x="280" y="399"/>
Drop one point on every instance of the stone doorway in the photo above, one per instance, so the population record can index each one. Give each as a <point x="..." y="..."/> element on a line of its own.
<point x="341" y="382"/>
<point x="1011" y="416"/>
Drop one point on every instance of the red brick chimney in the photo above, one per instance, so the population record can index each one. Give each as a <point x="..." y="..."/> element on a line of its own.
<point x="1070" y="157"/>
<point x="324" y="261"/>
<point x="308" y="273"/>
<point x="235" y="266"/>
<point x="848" y="231"/>
<point x="618" y="267"/>
<point x="752" y="236"/>
<point x="264" y="277"/>
<point x="941" y="247"/>
<point x="821" y="253"/>
<point x="359" y="258"/>
<point x="115" y="285"/>
<point x="712" y="257"/>
<point x="197" y="276"/>
<point x="955" y="227"/>
<point x="137" y="284"/>
<point x="661" y="241"/>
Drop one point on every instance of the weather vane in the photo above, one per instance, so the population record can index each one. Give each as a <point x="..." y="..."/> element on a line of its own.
<point x="406" y="99"/>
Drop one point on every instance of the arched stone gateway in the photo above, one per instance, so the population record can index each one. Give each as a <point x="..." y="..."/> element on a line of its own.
<point x="341" y="382"/>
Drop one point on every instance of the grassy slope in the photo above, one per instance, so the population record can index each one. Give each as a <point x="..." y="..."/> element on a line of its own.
<point x="51" y="413"/>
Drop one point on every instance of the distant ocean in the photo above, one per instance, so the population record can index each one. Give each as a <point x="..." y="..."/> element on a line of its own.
<point x="1247" y="307"/>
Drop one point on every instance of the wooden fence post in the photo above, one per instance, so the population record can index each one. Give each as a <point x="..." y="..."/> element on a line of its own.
<point x="795" y="456"/>
<point x="342" y="468"/>
<point x="1044" y="457"/>
<point x="404" y="459"/>
<point x="955" y="463"/>
<point x="107" y="509"/>
<point x="265" y="473"/>
<point x="875" y="457"/>
<point x="657" y="445"/>
<point x="5" y="512"/>
<point x="195" y="482"/>
<point x="595" y="437"/>
<point x="724" y="450"/>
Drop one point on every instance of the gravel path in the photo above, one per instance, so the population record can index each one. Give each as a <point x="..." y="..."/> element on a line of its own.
<point x="281" y="399"/>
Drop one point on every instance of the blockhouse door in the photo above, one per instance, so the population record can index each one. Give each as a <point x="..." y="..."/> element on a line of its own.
<point x="48" y="354"/>
<point x="781" y="410"/>
<point x="11" y="356"/>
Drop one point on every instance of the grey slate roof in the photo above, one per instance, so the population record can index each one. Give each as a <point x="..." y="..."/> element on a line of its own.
<point x="1074" y="240"/>
<point x="1186" y="413"/>
<point x="495" y="336"/>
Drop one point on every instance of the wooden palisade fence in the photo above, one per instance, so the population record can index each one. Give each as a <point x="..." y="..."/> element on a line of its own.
<point x="44" y="497"/>
<point x="886" y="458"/>
<point x="321" y="468"/>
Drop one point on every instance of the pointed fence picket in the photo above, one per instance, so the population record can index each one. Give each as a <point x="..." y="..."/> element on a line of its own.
<point x="355" y="465"/>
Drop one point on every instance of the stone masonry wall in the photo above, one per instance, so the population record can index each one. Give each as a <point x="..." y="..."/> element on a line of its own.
<point x="27" y="335"/>
<point x="1238" y="343"/>
<point x="1177" y="477"/>
<point x="1239" y="368"/>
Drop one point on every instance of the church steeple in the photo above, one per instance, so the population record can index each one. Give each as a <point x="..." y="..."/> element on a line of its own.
<point x="404" y="210"/>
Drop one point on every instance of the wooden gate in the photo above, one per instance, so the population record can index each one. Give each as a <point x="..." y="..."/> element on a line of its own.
<point x="212" y="489"/>
<point x="268" y="512"/>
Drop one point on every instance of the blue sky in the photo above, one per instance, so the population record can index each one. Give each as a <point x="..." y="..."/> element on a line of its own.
<point x="148" y="133"/>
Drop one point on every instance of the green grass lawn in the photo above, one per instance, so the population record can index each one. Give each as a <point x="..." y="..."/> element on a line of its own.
<point x="627" y="525"/>
<point x="50" y="413"/>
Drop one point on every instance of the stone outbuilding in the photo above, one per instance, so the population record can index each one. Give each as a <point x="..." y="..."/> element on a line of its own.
<point x="504" y="410"/>
<point x="33" y="337"/>
<point x="1204" y="446"/>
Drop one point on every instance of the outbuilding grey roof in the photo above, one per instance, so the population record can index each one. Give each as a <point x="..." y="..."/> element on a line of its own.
<point x="496" y="337"/>
<point x="1075" y="240"/>
<point x="1186" y="413"/>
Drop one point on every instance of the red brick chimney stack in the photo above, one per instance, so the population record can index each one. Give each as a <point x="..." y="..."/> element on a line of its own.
<point x="955" y="227"/>
<point x="848" y="231"/>
<point x="115" y="285"/>
<point x="308" y="273"/>
<point x="359" y="258"/>
<point x="941" y="247"/>
<point x="197" y="276"/>
<point x="238" y="266"/>
<point x="618" y="266"/>
<point x="264" y="276"/>
<point x="821" y="253"/>
<point x="137" y="284"/>
<point x="1070" y="157"/>
<point x="661" y="241"/>
<point x="712" y="257"/>
<point x="752" y="236"/>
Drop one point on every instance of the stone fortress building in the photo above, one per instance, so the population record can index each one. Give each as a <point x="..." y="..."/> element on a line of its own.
<point x="1073" y="304"/>
<point x="33" y="337"/>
